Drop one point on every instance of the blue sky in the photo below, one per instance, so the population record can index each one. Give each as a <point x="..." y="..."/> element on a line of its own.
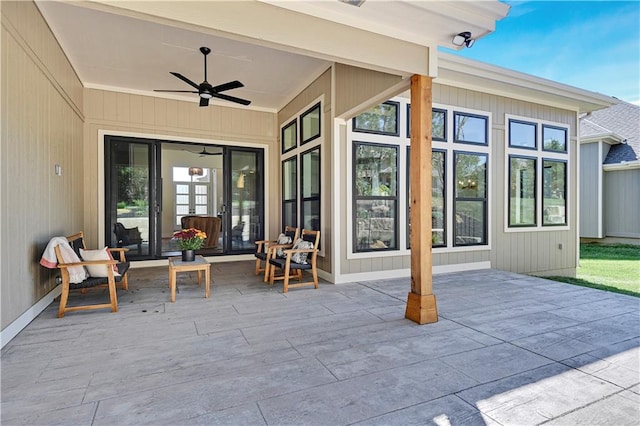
<point x="593" y="45"/>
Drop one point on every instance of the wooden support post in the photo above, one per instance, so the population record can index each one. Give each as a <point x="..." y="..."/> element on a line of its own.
<point x="421" y="303"/>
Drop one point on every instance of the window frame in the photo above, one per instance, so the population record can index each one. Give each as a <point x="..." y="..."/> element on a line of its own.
<point x="535" y="191"/>
<point x="379" y="132"/>
<point x="355" y="198"/>
<point x="444" y="203"/>
<point x="444" y="127"/>
<point x="293" y="123"/>
<point x="554" y="127"/>
<point x="308" y="138"/>
<point x="484" y="200"/>
<point x="318" y="196"/>
<point x="457" y="113"/>
<point x="290" y="201"/>
<point x="535" y="134"/>
<point x="565" y="189"/>
<point x="541" y="155"/>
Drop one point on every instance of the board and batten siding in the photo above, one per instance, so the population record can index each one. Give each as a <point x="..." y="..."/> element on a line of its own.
<point x="142" y="116"/>
<point x="590" y="168"/>
<point x="622" y="203"/>
<point x="41" y="127"/>
<point x="547" y="251"/>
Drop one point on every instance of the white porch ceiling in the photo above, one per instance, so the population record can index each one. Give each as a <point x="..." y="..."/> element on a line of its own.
<point x="275" y="48"/>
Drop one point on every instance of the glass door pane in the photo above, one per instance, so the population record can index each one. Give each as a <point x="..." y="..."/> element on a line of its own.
<point x="128" y="193"/>
<point x="245" y="217"/>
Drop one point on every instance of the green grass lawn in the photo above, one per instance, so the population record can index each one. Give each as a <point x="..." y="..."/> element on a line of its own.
<point x="612" y="267"/>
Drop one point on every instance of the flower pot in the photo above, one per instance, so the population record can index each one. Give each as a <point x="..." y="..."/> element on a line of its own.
<point x="188" y="255"/>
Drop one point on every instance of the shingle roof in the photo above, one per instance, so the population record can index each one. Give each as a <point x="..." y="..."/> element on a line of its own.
<point x="622" y="119"/>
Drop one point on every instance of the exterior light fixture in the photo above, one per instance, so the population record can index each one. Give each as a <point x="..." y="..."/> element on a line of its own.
<point x="463" y="38"/>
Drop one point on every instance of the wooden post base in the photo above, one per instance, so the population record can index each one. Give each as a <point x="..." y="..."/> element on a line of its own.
<point x="421" y="309"/>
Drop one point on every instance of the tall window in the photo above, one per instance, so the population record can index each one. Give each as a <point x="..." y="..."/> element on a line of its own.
<point x="554" y="199"/>
<point x="470" y="204"/>
<point x="522" y="191"/>
<point x="375" y="196"/>
<point x="301" y="173"/>
<point x="438" y="197"/>
<point x="290" y="192"/>
<point x="537" y="174"/>
<point x="310" y="188"/>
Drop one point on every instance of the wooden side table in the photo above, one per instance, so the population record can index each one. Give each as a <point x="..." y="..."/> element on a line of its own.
<point x="177" y="265"/>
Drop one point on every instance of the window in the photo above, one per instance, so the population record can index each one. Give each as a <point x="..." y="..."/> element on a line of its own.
<point x="310" y="124"/>
<point x="375" y="196"/>
<point x="382" y="119"/>
<point x="310" y="188"/>
<point x="554" y="138"/>
<point x="301" y="173"/>
<point x="470" y="128"/>
<point x="290" y="136"/>
<point x="438" y="195"/>
<point x="537" y="174"/>
<point x="522" y="191"/>
<point x="470" y="204"/>
<point x="554" y="201"/>
<point x="290" y="192"/>
<point x="438" y="124"/>
<point x="522" y="134"/>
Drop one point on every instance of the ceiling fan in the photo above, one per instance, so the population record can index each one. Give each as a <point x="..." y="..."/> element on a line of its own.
<point x="205" y="152"/>
<point x="205" y="90"/>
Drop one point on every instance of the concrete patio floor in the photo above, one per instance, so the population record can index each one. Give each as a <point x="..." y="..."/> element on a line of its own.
<point x="508" y="349"/>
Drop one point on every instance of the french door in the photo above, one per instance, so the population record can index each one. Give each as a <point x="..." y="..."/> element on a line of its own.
<point x="150" y="185"/>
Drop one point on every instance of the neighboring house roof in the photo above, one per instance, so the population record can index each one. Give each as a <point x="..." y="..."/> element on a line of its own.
<point x="622" y="120"/>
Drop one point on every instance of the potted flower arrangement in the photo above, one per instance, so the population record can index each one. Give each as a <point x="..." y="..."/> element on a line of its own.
<point x="189" y="240"/>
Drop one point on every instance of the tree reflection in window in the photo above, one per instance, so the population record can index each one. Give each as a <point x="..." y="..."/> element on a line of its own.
<point x="382" y="119"/>
<point x="470" y="199"/>
<point x="375" y="196"/>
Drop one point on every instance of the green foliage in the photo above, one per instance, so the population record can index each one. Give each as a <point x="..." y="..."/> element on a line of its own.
<point x="132" y="184"/>
<point x="610" y="267"/>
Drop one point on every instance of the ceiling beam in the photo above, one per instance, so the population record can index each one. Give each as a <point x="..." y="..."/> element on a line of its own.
<point x="279" y="28"/>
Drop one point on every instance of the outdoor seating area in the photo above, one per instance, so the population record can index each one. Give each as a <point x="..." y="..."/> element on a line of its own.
<point x="507" y="349"/>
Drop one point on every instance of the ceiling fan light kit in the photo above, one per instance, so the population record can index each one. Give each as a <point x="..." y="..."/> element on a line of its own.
<point x="205" y="90"/>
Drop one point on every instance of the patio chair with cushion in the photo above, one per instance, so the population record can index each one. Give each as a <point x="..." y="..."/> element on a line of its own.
<point x="127" y="236"/>
<point x="97" y="268"/>
<point x="301" y="257"/>
<point x="284" y="241"/>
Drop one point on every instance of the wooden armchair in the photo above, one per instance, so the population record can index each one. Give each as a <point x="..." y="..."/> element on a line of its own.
<point x="100" y="265"/>
<point x="263" y="247"/>
<point x="301" y="257"/>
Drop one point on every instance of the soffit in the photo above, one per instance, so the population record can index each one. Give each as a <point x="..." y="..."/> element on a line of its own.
<point x="275" y="48"/>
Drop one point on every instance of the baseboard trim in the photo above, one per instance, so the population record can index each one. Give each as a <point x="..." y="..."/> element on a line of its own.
<point x="405" y="273"/>
<point x="29" y="315"/>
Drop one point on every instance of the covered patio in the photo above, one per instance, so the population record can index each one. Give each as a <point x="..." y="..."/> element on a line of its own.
<point x="507" y="349"/>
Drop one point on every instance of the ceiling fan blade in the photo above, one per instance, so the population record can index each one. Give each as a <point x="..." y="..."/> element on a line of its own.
<point x="177" y="91"/>
<point x="231" y="98"/>
<point x="227" y="86"/>
<point x="185" y="79"/>
<point x="204" y="102"/>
